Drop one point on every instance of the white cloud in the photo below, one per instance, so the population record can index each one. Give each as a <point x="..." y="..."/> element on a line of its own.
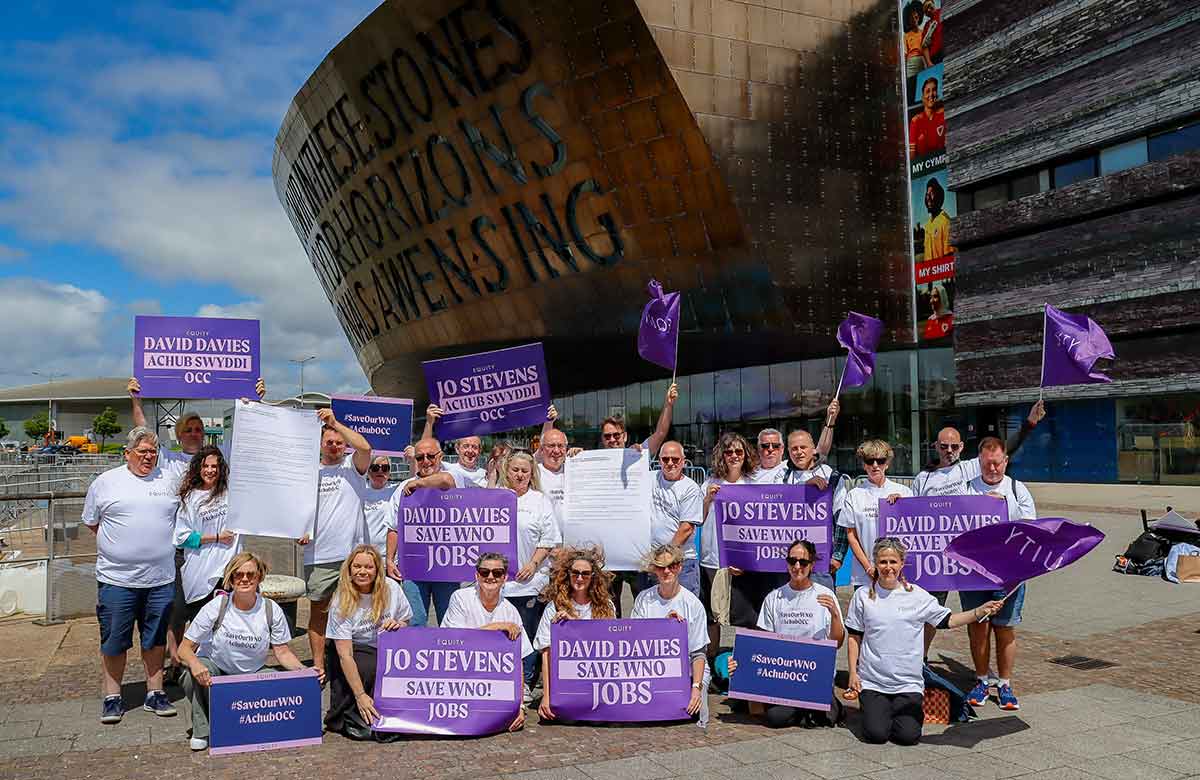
<point x="58" y="328"/>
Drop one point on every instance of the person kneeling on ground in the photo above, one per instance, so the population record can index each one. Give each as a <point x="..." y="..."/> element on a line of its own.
<point x="365" y="603"/>
<point x="231" y="635"/>
<point x="886" y="622"/>
<point x="801" y="609"/>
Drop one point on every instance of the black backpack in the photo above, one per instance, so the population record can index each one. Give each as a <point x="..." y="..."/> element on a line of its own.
<point x="1147" y="547"/>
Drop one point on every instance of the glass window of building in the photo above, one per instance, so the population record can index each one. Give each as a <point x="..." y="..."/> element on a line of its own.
<point x="1122" y="156"/>
<point x="935" y="369"/>
<point x="703" y="402"/>
<point x="1156" y="439"/>
<point x="819" y="380"/>
<point x="756" y="393"/>
<point x="1076" y="170"/>
<point x="588" y="416"/>
<point x="785" y="389"/>
<point x="633" y="406"/>
<point x="564" y="406"/>
<point x="728" y="389"/>
<point x="1174" y="141"/>
<point x="991" y="195"/>
<point x="1025" y="185"/>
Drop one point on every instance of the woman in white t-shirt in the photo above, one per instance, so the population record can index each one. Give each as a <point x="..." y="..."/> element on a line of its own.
<point x="801" y="609"/>
<point x="208" y="546"/>
<point x="671" y="600"/>
<point x="733" y="461"/>
<point x="231" y="635"/>
<point x="365" y="603"/>
<point x="537" y="536"/>
<point x="860" y="512"/>
<point x="579" y="589"/>
<point x="887" y="631"/>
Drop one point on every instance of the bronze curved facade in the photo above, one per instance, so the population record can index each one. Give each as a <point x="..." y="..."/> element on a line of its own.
<point x="475" y="175"/>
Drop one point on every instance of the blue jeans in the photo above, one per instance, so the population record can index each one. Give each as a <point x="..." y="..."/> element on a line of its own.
<point x="824" y="578"/>
<point x="1009" y="614"/>
<point x="440" y="592"/>
<point x="119" y="607"/>
<point x="530" y="608"/>
<point x="413" y="594"/>
<point x="689" y="578"/>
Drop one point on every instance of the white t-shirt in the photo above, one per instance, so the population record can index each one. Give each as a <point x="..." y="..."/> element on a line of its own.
<point x="203" y="566"/>
<point x="893" y="642"/>
<point x="672" y="503"/>
<point x="536" y="527"/>
<point x="1018" y="497"/>
<point x="542" y="640"/>
<point x="861" y="512"/>
<point x="771" y="476"/>
<point x="339" y="514"/>
<point x="710" y="557"/>
<point x="465" y="477"/>
<point x="358" y="627"/>
<point x="825" y="472"/>
<point x="176" y="461"/>
<point x="136" y="518"/>
<point x="381" y="515"/>
<point x="796" y="613"/>
<point x="948" y="481"/>
<point x="554" y="485"/>
<point x="467" y="611"/>
<point x="243" y="638"/>
<point x="649" y="604"/>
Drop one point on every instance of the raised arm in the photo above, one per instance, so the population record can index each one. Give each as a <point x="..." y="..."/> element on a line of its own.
<point x="551" y="416"/>
<point x="663" y="429"/>
<point x="134" y="389"/>
<point x="354" y="439"/>
<point x="826" y="441"/>
<point x="432" y="413"/>
<point x="1036" y="413"/>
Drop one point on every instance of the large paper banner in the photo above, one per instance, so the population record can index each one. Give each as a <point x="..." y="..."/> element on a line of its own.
<point x="274" y="470"/>
<point x="926" y="524"/>
<point x="620" y="670"/>
<point x="757" y="523"/>
<point x="442" y="532"/>
<point x="460" y="681"/>
<point x="196" y="357"/>
<point x="776" y="669"/>
<point x="386" y="423"/>
<point x="489" y="392"/>
<point x="607" y="502"/>
<point x="265" y="711"/>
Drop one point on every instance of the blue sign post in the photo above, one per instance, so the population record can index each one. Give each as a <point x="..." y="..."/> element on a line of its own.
<point x="775" y="669"/>
<point x="265" y="711"/>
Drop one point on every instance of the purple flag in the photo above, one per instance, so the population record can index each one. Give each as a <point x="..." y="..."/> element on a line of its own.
<point x="459" y="681"/>
<point x="925" y="525"/>
<point x="1010" y="553"/>
<point x="196" y="357"/>
<point x="859" y="334"/>
<point x="1070" y="347"/>
<point x="658" y="335"/>
<point x="442" y="532"/>
<point x="757" y="523"/>
<point x="489" y="392"/>
<point x="620" y="670"/>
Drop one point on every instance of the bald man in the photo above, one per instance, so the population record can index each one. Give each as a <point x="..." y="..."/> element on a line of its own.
<point x="952" y="474"/>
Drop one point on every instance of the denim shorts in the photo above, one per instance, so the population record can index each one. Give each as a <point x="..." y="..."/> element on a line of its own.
<point x="119" y="607"/>
<point x="1009" y="614"/>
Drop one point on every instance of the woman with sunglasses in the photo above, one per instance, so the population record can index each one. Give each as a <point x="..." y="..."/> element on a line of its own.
<point x="365" y="603"/>
<point x="537" y="535"/>
<point x="800" y="609"/>
<point x="578" y="590"/>
<point x="671" y="600"/>
<point x="231" y="635"/>
<point x="886" y="622"/>
<point x="861" y="509"/>
<point x="482" y="607"/>
<point x="200" y="531"/>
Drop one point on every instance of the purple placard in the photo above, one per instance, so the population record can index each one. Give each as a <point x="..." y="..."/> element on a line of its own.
<point x="196" y="357"/>
<point x="448" y="681"/>
<point x="442" y="532"/>
<point x="620" y="670"/>
<point x="386" y="423"/>
<point x="489" y="392"/>
<point x="926" y="524"/>
<point x="757" y="523"/>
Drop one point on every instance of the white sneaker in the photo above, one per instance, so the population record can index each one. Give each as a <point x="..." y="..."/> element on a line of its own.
<point x="196" y="743"/>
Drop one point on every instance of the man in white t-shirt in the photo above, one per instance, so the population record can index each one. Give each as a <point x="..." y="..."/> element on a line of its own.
<point x="339" y="522"/>
<point x="131" y="509"/>
<point x="804" y="467"/>
<point x="676" y="511"/>
<point x="992" y="481"/>
<point x="466" y="472"/>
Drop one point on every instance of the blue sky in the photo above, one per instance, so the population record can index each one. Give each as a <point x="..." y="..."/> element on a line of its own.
<point x="135" y="178"/>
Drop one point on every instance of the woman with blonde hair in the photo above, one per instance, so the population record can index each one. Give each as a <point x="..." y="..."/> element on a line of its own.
<point x="579" y="589"/>
<point x="231" y="635"/>
<point x="366" y="602"/>
<point x="860" y="512"/>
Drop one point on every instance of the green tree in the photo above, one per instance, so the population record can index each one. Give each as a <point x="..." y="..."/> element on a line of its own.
<point x="37" y="426"/>
<point x="3" y="429"/>
<point x="105" y="424"/>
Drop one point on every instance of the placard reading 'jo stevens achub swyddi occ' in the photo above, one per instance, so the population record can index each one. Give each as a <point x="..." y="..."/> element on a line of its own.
<point x="489" y="392"/>
<point x="196" y="357"/>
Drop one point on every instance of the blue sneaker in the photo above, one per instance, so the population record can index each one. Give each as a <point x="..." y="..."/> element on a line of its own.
<point x="1008" y="699"/>
<point x="113" y="710"/>
<point x="158" y="703"/>
<point x="978" y="695"/>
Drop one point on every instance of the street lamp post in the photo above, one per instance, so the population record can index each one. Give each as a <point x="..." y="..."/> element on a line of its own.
<point x="301" y="362"/>
<point x="50" y="377"/>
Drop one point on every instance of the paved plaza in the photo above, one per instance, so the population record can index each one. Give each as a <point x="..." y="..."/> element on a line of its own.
<point x="1139" y="718"/>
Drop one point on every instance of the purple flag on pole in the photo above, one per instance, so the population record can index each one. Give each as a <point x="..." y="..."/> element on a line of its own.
<point x="859" y="334"/>
<point x="658" y="335"/>
<point x="1009" y="553"/>
<point x="620" y="670"/>
<point x="757" y="523"/>
<point x="1070" y="347"/>
<point x="461" y="681"/>
<point x="442" y="532"/>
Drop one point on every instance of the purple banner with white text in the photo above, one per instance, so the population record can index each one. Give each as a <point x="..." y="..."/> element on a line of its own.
<point x="620" y="670"/>
<point x="489" y="392"/>
<point x="196" y="357"/>
<point x="442" y="532"/>
<point x="926" y="524"/>
<point x="447" y="681"/>
<point x="757" y="523"/>
<point x="386" y="423"/>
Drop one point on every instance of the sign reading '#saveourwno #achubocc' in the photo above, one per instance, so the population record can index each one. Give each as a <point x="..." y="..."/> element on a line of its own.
<point x="926" y="524"/>
<point x="386" y="423"/>
<point x="442" y="532"/>
<point x="757" y="523"/>
<point x="196" y="357"/>
<point x="265" y="711"/>
<point x="489" y="392"/>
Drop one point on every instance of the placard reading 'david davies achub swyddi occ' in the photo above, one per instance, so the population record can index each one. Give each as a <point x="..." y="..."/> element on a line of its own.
<point x="489" y="392"/>
<point x="196" y="357"/>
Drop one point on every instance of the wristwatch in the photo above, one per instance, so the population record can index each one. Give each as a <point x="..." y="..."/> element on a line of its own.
<point x="696" y="686"/>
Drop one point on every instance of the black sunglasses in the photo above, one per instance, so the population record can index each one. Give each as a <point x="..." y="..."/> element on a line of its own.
<point x="798" y="561"/>
<point x="770" y="445"/>
<point x="490" y="574"/>
<point x="875" y="461"/>
<point x="422" y="456"/>
<point x="378" y="467"/>
<point x="581" y="574"/>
